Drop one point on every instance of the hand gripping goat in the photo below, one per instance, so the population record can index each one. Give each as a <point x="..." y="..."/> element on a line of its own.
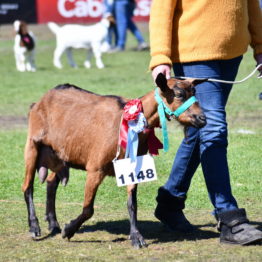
<point x="69" y="127"/>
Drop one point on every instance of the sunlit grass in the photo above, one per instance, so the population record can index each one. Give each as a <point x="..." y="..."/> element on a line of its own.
<point x="104" y="237"/>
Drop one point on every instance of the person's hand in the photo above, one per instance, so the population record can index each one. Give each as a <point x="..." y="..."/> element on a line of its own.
<point x="164" y="69"/>
<point x="258" y="58"/>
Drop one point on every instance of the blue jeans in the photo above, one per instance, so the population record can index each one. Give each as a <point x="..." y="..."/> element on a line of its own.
<point x="111" y="38"/>
<point x="124" y="12"/>
<point x="206" y="146"/>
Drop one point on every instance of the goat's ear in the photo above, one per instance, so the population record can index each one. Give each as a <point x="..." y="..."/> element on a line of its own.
<point x="195" y="82"/>
<point x="161" y="82"/>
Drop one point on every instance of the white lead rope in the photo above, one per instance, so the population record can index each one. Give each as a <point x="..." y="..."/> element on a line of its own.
<point x="228" y="82"/>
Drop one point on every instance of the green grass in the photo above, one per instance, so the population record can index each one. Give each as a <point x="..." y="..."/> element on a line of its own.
<point x="104" y="236"/>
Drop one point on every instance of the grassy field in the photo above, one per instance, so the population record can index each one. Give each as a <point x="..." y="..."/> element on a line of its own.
<point x="105" y="236"/>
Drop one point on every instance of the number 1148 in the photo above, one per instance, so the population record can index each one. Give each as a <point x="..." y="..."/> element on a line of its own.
<point x="141" y="176"/>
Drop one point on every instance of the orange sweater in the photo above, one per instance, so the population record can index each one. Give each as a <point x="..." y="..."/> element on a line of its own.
<point x="200" y="30"/>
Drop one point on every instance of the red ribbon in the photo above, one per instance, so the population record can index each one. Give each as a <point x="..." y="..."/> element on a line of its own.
<point x="131" y="111"/>
<point x="153" y="142"/>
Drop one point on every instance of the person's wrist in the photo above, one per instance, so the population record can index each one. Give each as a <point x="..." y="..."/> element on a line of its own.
<point x="165" y="69"/>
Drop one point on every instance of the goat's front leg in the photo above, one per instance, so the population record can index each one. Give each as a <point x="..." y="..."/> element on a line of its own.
<point x="57" y="54"/>
<point x="51" y="188"/>
<point x="135" y="236"/>
<point x="93" y="181"/>
<point x="87" y="63"/>
<point x="20" y="62"/>
<point x="97" y="53"/>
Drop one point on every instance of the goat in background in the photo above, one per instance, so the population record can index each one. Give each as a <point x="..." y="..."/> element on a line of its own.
<point x="24" y="47"/>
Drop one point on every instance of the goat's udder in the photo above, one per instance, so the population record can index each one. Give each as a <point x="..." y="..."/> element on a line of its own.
<point x="42" y="173"/>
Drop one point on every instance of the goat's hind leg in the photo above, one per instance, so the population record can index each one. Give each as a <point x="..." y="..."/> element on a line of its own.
<point x="93" y="181"/>
<point x="135" y="236"/>
<point x="70" y="57"/>
<point x="53" y="181"/>
<point x="31" y="153"/>
<point x="51" y="189"/>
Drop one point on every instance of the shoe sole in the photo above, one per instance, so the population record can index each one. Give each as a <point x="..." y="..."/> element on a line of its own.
<point x="245" y="243"/>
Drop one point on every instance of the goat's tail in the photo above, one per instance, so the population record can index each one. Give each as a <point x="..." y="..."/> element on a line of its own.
<point x="53" y="27"/>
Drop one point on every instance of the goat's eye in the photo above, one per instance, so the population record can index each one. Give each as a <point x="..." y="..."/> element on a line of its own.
<point x="178" y="94"/>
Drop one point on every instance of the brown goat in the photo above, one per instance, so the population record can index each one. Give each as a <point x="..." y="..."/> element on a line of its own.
<point x="72" y="127"/>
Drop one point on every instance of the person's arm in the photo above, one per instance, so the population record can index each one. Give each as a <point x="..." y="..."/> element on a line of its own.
<point x="255" y="29"/>
<point x="160" y="29"/>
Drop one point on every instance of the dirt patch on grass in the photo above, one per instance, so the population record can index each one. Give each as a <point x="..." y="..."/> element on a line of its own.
<point x="12" y="122"/>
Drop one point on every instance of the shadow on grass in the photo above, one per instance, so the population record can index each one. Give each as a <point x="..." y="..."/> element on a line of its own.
<point x="150" y="230"/>
<point x="155" y="231"/>
<point x="51" y="234"/>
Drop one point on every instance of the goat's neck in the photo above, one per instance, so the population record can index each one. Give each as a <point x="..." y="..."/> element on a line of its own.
<point x="150" y="109"/>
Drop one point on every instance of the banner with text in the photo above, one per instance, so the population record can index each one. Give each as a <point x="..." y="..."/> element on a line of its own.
<point x="11" y="10"/>
<point x="82" y="11"/>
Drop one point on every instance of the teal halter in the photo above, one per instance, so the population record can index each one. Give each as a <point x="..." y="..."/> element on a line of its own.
<point x="162" y="109"/>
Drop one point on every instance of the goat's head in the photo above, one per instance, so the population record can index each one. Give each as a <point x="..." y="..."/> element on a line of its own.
<point x="175" y="93"/>
<point x="20" y="27"/>
<point x="108" y="20"/>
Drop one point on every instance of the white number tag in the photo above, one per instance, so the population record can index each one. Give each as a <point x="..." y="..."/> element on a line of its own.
<point x="128" y="173"/>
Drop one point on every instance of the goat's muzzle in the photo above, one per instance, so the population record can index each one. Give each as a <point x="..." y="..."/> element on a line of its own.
<point x="199" y="120"/>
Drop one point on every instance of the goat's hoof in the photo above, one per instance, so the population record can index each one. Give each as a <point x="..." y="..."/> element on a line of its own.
<point x="34" y="229"/>
<point x="53" y="226"/>
<point x="55" y="230"/>
<point x="87" y="64"/>
<point x="137" y="240"/>
<point x="35" y="233"/>
<point x="58" y="66"/>
<point x="67" y="232"/>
